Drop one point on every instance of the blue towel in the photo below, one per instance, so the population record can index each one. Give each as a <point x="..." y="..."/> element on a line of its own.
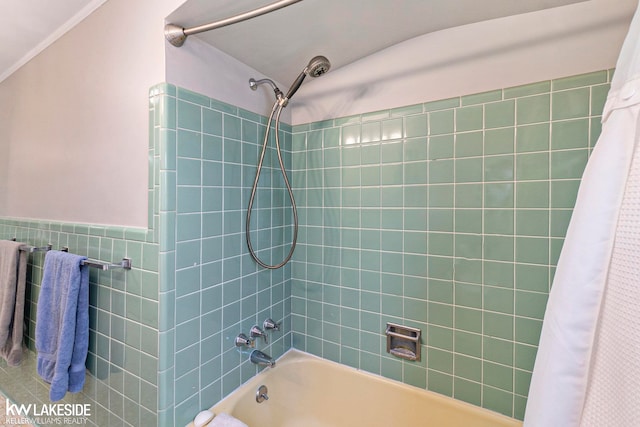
<point x="62" y="323"/>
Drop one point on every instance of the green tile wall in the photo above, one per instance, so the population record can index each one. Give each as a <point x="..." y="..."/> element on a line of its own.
<point x="448" y="216"/>
<point x="121" y="384"/>
<point x="210" y="288"/>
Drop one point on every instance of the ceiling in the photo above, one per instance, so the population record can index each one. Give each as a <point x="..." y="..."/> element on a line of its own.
<point x="29" y="26"/>
<point x="278" y="44"/>
<point x="281" y="43"/>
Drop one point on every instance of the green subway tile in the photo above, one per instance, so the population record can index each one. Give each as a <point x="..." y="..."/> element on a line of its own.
<point x="532" y="138"/>
<point x="319" y="125"/>
<point x="498" y="195"/>
<point x="497" y="350"/>
<point x="469" y="144"/>
<point x="468" y="319"/>
<point x="468" y="246"/>
<point x="499" y="114"/>
<point x="223" y="106"/>
<point x="598" y="98"/>
<point x="533" y="109"/>
<point x="500" y="300"/>
<point x="497" y="400"/>
<point x="468" y="270"/>
<point x="498" y="273"/>
<point x="440" y="244"/>
<point x="189" y="116"/>
<point x="559" y="222"/>
<point x="441" y="122"/>
<point x="440" y="383"/>
<point x="440" y="291"/>
<point x="440" y="314"/>
<point x="391" y="152"/>
<point x="414" y="149"/>
<point x="498" y="141"/>
<point x="527" y="331"/>
<point x="527" y="90"/>
<point x="467" y="343"/>
<point x="415" y="309"/>
<point x="440" y="360"/>
<point x="498" y="376"/>
<point x="392" y="129"/>
<point x="370" y="132"/>
<point x="350" y="134"/>
<point x="468" y="221"/>
<point x="211" y="122"/>
<point x="498" y="168"/>
<point x="532" y="222"/>
<point x="441" y="196"/>
<point x="481" y="98"/>
<point x="498" y="248"/>
<point x="570" y="134"/>
<point x="468" y="295"/>
<point x="596" y="129"/>
<point x="498" y="221"/>
<point x="441" y="147"/>
<point x="525" y="356"/>
<point x="568" y="164"/>
<point x="532" y="250"/>
<point x="579" y="80"/>
<point x="469" y="118"/>
<point x="498" y="325"/>
<point x="440" y="337"/>
<point x="532" y="277"/>
<point x="531" y="304"/>
<point x="370" y="154"/>
<point x="193" y="97"/>
<point x="442" y="104"/>
<point x="441" y="172"/>
<point x="376" y="115"/>
<point x="416" y="125"/>
<point x="570" y="104"/>
<point x="467" y="367"/>
<point x="563" y="193"/>
<point x="522" y="382"/>
<point x="406" y="111"/>
<point x="416" y="173"/>
<point x="469" y="195"/>
<point x="533" y="194"/>
<point x="440" y="220"/>
<point x="532" y="166"/>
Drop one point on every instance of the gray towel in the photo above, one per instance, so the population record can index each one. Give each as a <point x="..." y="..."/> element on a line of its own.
<point x="13" y="278"/>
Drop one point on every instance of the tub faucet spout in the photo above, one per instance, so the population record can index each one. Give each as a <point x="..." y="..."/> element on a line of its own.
<point x="261" y="359"/>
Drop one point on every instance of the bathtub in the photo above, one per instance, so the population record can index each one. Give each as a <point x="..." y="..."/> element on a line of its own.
<point x="307" y="391"/>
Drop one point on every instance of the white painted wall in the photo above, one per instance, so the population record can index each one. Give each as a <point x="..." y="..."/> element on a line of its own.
<point x="200" y="67"/>
<point x="489" y="55"/>
<point x="74" y="119"/>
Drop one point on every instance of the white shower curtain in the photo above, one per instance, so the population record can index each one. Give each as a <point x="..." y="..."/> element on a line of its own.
<point x="587" y="371"/>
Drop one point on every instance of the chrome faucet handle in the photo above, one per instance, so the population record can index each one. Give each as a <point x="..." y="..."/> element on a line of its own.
<point x="271" y="325"/>
<point x="243" y="341"/>
<point x="256" y="332"/>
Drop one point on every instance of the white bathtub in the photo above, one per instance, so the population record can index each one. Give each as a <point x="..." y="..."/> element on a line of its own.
<point x="307" y="391"/>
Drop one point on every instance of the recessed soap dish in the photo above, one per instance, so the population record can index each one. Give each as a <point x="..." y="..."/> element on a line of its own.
<point x="403" y="341"/>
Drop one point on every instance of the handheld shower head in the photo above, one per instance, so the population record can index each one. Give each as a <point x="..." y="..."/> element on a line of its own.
<point x="318" y="66"/>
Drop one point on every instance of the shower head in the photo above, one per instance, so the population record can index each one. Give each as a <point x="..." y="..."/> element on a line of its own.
<point x="318" y="66"/>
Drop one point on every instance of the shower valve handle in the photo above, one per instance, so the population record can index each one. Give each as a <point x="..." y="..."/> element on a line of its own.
<point x="270" y="324"/>
<point x="256" y="332"/>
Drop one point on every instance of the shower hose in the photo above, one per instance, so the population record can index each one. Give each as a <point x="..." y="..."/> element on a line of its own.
<point x="276" y="110"/>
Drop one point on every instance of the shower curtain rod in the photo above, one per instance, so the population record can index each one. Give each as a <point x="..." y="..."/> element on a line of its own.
<point x="176" y="35"/>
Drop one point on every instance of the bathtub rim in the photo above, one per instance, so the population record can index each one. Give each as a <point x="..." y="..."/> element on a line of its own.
<point x="294" y="356"/>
